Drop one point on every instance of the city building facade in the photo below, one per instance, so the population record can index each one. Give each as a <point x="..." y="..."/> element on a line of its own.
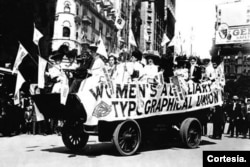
<point x="79" y="23"/>
<point x="158" y="17"/>
<point x="232" y="38"/>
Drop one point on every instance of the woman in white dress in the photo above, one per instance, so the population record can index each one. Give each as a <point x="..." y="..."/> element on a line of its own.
<point x="181" y="71"/>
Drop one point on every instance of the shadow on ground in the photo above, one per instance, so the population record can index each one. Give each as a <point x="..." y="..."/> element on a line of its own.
<point x="96" y="149"/>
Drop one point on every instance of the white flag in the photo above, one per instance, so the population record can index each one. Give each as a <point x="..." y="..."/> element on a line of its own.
<point x="221" y="73"/>
<point x="119" y="22"/>
<point x="36" y="36"/>
<point x="165" y="40"/>
<point x="176" y="40"/>
<point x="39" y="115"/>
<point x="132" y="38"/>
<point x="101" y="48"/>
<point x="64" y="91"/>
<point x="173" y="42"/>
<point x="19" y="82"/>
<point x="41" y="69"/>
<point x="22" y="52"/>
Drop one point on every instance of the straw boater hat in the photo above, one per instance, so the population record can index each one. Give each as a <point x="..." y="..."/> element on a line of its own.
<point x="152" y="54"/>
<point x="235" y="97"/>
<point x="93" y="47"/>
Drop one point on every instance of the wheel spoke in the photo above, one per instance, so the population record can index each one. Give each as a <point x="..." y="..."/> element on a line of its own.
<point x="123" y="145"/>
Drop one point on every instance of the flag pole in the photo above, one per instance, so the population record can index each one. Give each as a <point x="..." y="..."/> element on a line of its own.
<point x="191" y="43"/>
<point x="129" y="23"/>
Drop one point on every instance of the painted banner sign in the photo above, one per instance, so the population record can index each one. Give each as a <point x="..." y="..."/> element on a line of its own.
<point x="141" y="100"/>
<point x="230" y="35"/>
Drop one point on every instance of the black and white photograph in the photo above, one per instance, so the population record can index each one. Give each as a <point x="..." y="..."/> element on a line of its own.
<point x="120" y="83"/>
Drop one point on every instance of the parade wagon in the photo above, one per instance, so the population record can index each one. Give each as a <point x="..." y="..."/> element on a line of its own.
<point x="123" y="113"/>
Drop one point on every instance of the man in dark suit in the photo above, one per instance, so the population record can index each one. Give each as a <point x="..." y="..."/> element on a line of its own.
<point x="235" y="116"/>
<point x="218" y="119"/>
<point x="194" y="70"/>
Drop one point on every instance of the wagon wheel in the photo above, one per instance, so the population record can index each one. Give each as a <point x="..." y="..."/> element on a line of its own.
<point x="73" y="136"/>
<point x="190" y="132"/>
<point x="127" y="137"/>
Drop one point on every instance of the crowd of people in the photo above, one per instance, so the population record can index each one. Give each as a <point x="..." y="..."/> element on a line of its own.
<point x="66" y="66"/>
<point x="125" y="68"/>
<point x="232" y="118"/>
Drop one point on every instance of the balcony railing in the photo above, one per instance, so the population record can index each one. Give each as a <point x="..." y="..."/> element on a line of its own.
<point x="98" y="1"/>
<point x="149" y="10"/>
<point x="86" y="20"/>
<point x="149" y="20"/>
<point x="110" y="18"/>
<point x="106" y="3"/>
<point x="108" y="36"/>
<point x="149" y="30"/>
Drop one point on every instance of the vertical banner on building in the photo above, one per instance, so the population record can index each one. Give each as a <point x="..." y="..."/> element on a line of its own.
<point x="119" y="22"/>
<point x="146" y="36"/>
<point x="178" y="93"/>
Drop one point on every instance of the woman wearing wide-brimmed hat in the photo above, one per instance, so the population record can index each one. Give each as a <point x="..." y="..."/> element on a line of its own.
<point x="55" y="72"/>
<point x="181" y="71"/>
<point x="112" y="65"/>
<point x="135" y="65"/>
<point x="151" y="68"/>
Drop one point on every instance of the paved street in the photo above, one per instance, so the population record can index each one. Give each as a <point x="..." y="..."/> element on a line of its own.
<point x="38" y="150"/>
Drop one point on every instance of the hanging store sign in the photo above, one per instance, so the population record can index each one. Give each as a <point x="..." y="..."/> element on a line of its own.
<point x="231" y="35"/>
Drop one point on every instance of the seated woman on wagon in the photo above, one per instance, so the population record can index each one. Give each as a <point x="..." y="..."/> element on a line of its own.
<point x="150" y="70"/>
<point x="181" y="71"/>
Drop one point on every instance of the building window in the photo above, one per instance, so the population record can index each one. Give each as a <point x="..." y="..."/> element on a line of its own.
<point x="67" y="7"/>
<point x="147" y="46"/>
<point x="149" y="5"/>
<point x="84" y="11"/>
<point x="76" y="35"/>
<point x="77" y="9"/>
<point x="66" y="32"/>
